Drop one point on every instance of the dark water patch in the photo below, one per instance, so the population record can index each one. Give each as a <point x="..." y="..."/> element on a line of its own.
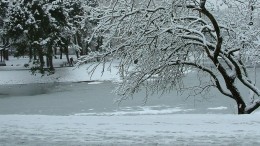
<point x="25" y="89"/>
<point x="3" y="95"/>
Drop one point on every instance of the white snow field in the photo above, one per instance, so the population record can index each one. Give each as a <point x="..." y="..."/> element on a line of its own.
<point x="134" y="128"/>
<point x="149" y="130"/>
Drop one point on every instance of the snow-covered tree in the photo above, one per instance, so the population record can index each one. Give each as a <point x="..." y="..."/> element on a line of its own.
<point x="4" y="39"/>
<point x="159" y="42"/>
<point x="243" y="18"/>
<point x="35" y="27"/>
<point x="75" y="11"/>
<point x="41" y="27"/>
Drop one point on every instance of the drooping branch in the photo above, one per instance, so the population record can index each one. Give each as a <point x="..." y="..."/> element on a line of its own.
<point x="217" y="82"/>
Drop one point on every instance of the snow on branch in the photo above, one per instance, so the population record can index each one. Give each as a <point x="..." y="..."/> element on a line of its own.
<point x="210" y="72"/>
<point x="158" y="43"/>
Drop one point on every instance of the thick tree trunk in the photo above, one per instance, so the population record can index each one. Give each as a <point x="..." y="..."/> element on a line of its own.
<point x="40" y="54"/>
<point x="241" y="107"/>
<point x="47" y="61"/>
<point x="68" y="59"/>
<point x="49" y="57"/>
<point x="86" y="48"/>
<point x="1" y="56"/>
<point x="55" y="51"/>
<point x="229" y="82"/>
<point x="61" y="53"/>
<point x="30" y="54"/>
<point x="66" y="51"/>
<point x="6" y="55"/>
<point x="77" y="54"/>
<point x="34" y="54"/>
<point x="51" y="63"/>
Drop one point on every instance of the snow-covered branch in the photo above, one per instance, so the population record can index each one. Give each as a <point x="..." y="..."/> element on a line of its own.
<point x="209" y="71"/>
<point x="158" y="43"/>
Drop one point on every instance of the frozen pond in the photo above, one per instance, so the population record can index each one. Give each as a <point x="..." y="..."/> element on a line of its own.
<point x="97" y="99"/>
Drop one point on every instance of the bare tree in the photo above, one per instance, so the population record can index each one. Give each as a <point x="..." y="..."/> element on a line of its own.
<point x="159" y="42"/>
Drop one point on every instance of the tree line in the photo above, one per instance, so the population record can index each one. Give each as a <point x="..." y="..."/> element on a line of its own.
<point x="42" y="28"/>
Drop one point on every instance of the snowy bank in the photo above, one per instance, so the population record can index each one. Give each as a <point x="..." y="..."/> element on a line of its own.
<point x="174" y="129"/>
<point x="17" y="75"/>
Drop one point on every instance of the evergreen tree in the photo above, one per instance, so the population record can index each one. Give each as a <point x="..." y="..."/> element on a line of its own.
<point x="39" y="23"/>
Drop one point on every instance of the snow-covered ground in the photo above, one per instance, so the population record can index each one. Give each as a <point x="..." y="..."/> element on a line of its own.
<point x="16" y="73"/>
<point x="149" y="130"/>
<point x="117" y="128"/>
